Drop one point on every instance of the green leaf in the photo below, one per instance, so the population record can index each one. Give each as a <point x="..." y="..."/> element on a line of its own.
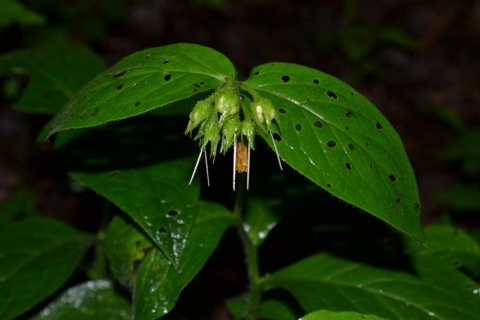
<point x="56" y="69"/>
<point x="37" y="256"/>
<point x="335" y="137"/>
<point x="157" y="282"/>
<point x="90" y="300"/>
<point x="259" y="220"/>
<point x="141" y="82"/>
<point x="15" y="12"/>
<point x="149" y="184"/>
<point x="449" y="245"/>
<point x="325" y="282"/>
<point x="329" y="315"/>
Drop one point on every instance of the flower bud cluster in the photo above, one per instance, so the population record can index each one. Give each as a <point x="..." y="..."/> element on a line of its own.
<point x="222" y="118"/>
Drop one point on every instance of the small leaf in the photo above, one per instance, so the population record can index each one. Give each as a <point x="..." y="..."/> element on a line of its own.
<point x="329" y="315"/>
<point x="15" y="12"/>
<point x="149" y="184"/>
<point x="270" y="308"/>
<point x="37" y="256"/>
<point x="259" y="220"/>
<point x="325" y="282"/>
<point x="449" y="245"/>
<point x="91" y="300"/>
<point x="335" y="137"/>
<point x="143" y="81"/>
<point x="158" y="282"/>
<point x="56" y="70"/>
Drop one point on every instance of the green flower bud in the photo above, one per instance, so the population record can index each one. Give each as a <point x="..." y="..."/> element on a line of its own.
<point x="199" y="113"/>
<point x="228" y="105"/>
<point x="229" y="131"/>
<point x="248" y="130"/>
<point x="211" y="133"/>
<point x="263" y="113"/>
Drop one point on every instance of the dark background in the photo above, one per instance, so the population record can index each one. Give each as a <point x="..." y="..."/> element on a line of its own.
<point x="417" y="61"/>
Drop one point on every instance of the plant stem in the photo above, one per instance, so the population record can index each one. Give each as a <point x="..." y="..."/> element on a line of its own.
<point x="251" y="254"/>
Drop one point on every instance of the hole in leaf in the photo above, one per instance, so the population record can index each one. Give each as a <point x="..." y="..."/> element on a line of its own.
<point x="120" y="87"/>
<point x="398" y="200"/>
<point x="378" y="125"/>
<point x="392" y="177"/>
<point x="329" y="185"/>
<point x="114" y="173"/>
<point x="318" y="124"/>
<point x="349" y="113"/>
<point x="315" y="81"/>
<point x="285" y="78"/>
<point x="162" y="231"/>
<point x="137" y="103"/>
<point x="298" y="127"/>
<point x="199" y="84"/>
<point x="277" y="137"/>
<point x="367" y="144"/>
<point x="119" y="74"/>
<point x="173" y="213"/>
<point x="347" y="128"/>
<point x="348" y="165"/>
<point x="166" y="61"/>
<point x="256" y="73"/>
<point x="416" y="207"/>
<point x="331" y="144"/>
<point x="352" y="93"/>
<point x="282" y="111"/>
<point x="167" y="77"/>
<point x="332" y="94"/>
<point x="351" y="147"/>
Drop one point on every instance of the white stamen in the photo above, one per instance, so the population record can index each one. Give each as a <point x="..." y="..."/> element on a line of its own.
<point x="234" y="159"/>
<point x="196" y="166"/>
<point x="248" y="167"/>
<point x="276" y="151"/>
<point x="206" y="168"/>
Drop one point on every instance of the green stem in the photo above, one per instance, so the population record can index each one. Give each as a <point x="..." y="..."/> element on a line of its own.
<point x="251" y="254"/>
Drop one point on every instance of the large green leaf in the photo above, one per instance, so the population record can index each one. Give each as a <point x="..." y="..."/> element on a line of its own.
<point x="155" y="281"/>
<point x="149" y="183"/>
<point x="334" y="136"/>
<point x="326" y="282"/>
<point x="56" y="69"/>
<point x="37" y="256"/>
<point x="143" y="81"/>
<point x="91" y="300"/>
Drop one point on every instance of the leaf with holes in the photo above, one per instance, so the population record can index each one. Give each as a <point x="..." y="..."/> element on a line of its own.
<point x="334" y="136"/>
<point x="143" y="81"/>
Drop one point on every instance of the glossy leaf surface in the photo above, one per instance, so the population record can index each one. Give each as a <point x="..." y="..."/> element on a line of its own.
<point x="56" y="70"/>
<point x="150" y="185"/>
<point x="329" y="315"/>
<point x="91" y="300"/>
<point x="325" y="282"/>
<point x="157" y="282"/>
<point x="259" y="220"/>
<point x="143" y="81"/>
<point x="334" y="136"/>
<point x="37" y="256"/>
